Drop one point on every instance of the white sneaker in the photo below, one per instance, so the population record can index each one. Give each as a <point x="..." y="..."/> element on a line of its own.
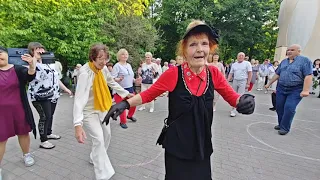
<point x="266" y="92"/>
<point x="232" y="113"/>
<point x="47" y="145"/>
<point x="142" y="108"/>
<point x="28" y="160"/>
<point x="151" y="110"/>
<point x="53" y="136"/>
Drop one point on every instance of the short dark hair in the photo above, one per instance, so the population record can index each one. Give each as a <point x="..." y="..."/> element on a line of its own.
<point x="3" y="49"/>
<point x="109" y="64"/>
<point x="314" y="62"/>
<point x="34" y="45"/>
<point x="95" y="49"/>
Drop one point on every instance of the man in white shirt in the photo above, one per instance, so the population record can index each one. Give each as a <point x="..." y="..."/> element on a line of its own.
<point x="242" y="74"/>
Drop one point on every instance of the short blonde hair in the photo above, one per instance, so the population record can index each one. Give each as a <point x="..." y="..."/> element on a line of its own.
<point x="120" y="52"/>
<point x="148" y="54"/>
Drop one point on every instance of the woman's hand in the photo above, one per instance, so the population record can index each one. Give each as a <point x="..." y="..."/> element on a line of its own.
<point x="267" y="86"/>
<point x="246" y="104"/>
<point x="138" y="80"/>
<point x="130" y="95"/>
<point x="115" y="111"/>
<point x="68" y="91"/>
<point x="32" y="61"/>
<point x="118" y="79"/>
<point x="80" y="134"/>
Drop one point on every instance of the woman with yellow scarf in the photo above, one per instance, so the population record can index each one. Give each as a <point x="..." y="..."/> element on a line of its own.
<point x="92" y="102"/>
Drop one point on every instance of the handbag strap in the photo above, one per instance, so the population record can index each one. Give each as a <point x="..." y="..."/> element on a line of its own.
<point x="52" y="75"/>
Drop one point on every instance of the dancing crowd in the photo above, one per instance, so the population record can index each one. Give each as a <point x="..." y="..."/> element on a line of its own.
<point x="193" y="82"/>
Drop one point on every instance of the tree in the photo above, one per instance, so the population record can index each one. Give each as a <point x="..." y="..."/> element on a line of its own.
<point x="134" y="33"/>
<point x="67" y="27"/>
<point x="247" y="26"/>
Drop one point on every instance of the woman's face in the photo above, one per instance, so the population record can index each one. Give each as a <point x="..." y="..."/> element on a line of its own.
<point x="179" y="60"/>
<point x="3" y="58"/>
<point x="197" y="51"/>
<point x="148" y="59"/>
<point x="317" y="62"/>
<point x="216" y="58"/>
<point x="124" y="56"/>
<point x="257" y="62"/>
<point x="101" y="60"/>
<point x="37" y="53"/>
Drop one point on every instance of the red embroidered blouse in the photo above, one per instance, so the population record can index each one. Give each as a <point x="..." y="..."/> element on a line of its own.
<point x="195" y="82"/>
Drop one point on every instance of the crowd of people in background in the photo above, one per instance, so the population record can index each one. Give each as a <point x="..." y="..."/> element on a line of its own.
<point x="114" y="83"/>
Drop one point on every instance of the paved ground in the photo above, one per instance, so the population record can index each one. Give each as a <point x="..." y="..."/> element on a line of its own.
<point x="245" y="147"/>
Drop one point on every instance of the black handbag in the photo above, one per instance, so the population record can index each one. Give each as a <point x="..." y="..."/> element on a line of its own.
<point x="164" y="130"/>
<point x="45" y="93"/>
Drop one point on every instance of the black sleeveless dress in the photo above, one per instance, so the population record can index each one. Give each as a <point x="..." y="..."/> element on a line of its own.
<point x="187" y="143"/>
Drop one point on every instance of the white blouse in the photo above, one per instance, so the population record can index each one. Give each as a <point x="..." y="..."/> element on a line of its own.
<point x="83" y="101"/>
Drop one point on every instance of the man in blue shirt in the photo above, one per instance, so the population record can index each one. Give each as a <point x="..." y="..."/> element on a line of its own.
<point x="294" y="76"/>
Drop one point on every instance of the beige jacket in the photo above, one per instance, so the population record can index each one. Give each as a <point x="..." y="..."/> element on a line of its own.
<point x="83" y="101"/>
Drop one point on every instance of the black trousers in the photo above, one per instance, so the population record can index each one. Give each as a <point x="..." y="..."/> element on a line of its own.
<point x="273" y="99"/>
<point x="45" y="110"/>
<point x="266" y="81"/>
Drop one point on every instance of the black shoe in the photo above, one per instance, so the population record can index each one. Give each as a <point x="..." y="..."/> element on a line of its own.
<point x="283" y="132"/>
<point x="124" y="126"/>
<point x="277" y="127"/>
<point x="272" y="109"/>
<point x="132" y="119"/>
<point x="319" y="96"/>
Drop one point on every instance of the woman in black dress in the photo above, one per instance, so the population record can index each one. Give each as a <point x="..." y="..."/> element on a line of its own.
<point x="186" y="135"/>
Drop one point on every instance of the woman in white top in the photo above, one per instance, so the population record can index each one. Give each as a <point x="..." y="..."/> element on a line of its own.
<point x="123" y="74"/>
<point x="44" y="93"/>
<point x="92" y="102"/>
<point x="148" y="72"/>
<point x="213" y="60"/>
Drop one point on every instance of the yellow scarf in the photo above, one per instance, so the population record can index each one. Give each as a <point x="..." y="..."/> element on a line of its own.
<point x="101" y="94"/>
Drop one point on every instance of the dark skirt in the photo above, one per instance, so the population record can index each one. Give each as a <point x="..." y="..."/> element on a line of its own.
<point x="182" y="169"/>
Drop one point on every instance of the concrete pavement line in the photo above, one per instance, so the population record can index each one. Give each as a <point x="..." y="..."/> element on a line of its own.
<point x="307" y="132"/>
<point x="140" y="164"/>
<point x="263" y="149"/>
<point x="277" y="149"/>
<point x="266" y="104"/>
<point x="294" y="118"/>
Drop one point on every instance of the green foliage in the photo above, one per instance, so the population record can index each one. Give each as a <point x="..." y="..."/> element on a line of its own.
<point x="247" y="26"/>
<point x="67" y="27"/>
<point x="134" y="33"/>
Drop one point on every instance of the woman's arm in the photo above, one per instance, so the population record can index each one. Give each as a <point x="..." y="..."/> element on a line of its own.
<point x="114" y="85"/>
<point x="64" y="88"/>
<point x="115" y="73"/>
<point x="166" y="82"/>
<point x="81" y="98"/>
<point x="222" y="86"/>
